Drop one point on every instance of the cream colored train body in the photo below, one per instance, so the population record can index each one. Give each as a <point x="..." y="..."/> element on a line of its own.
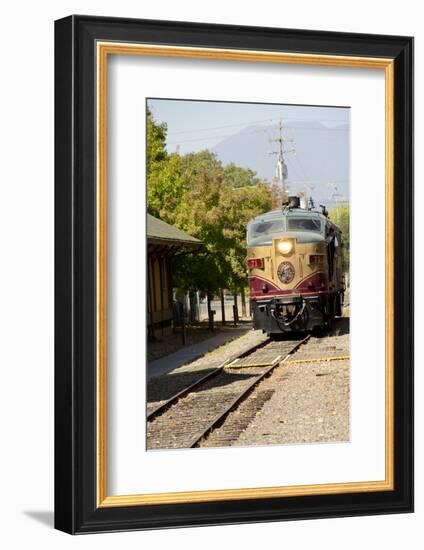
<point x="296" y="277"/>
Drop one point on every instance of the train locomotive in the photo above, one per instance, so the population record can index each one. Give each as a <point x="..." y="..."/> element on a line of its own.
<point x="294" y="259"/>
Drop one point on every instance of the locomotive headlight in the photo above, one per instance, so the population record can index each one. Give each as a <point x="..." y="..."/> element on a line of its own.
<point x="285" y="247"/>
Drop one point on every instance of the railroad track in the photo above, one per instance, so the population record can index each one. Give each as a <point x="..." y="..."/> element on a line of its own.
<point x="189" y="417"/>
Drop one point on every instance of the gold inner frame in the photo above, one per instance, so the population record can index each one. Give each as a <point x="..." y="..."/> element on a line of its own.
<point x="104" y="49"/>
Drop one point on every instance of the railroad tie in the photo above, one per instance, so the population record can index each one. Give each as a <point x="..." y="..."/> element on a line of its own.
<point x="320" y="359"/>
<point x="254" y="361"/>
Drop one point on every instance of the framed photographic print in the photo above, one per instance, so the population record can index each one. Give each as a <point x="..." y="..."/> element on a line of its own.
<point x="234" y="274"/>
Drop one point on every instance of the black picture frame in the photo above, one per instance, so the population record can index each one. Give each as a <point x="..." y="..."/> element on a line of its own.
<point x="76" y="509"/>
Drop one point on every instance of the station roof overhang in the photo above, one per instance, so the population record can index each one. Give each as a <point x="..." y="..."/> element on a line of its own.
<point x="165" y="238"/>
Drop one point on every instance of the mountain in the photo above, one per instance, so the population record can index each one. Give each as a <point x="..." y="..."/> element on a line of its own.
<point x="321" y="155"/>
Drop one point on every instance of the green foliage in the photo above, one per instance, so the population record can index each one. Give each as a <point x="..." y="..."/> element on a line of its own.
<point x="211" y="202"/>
<point x="165" y="187"/>
<point x="235" y="176"/>
<point x="156" y="142"/>
<point x="238" y="206"/>
<point x="163" y="170"/>
<point x="340" y="215"/>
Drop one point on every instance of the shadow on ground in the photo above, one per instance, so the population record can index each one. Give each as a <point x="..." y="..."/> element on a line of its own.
<point x="46" y="517"/>
<point x="288" y="336"/>
<point x="340" y="326"/>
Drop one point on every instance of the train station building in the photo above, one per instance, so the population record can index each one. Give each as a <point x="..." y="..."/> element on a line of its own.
<point x="163" y="242"/>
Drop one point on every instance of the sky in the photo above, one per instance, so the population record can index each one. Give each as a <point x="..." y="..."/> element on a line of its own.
<point x="198" y="125"/>
<point x="317" y="149"/>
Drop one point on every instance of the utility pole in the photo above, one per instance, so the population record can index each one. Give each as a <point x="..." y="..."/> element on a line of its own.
<point x="282" y="172"/>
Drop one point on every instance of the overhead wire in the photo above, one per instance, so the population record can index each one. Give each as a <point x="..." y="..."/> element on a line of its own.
<point x="266" y="129"/>
<point x="246" y="124"/>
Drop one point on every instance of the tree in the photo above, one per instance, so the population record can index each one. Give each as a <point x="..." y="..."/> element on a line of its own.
<point x="237" y="207"/>
<point x="156" y="142"/>
<point x="340" y="215"/>
<point x="213" y="203"/>
<point x="236" y="176"/>
<point x="197" y="213"/>
<point x="164" y="185"/>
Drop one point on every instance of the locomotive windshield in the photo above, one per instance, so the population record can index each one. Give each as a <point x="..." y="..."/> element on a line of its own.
<point x="262" y="231"/>
<point x="265" y="228"/>
<point x="303" y="224"/>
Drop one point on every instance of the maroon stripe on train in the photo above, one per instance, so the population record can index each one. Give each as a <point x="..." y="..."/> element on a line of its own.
<point x="314" y="284"/>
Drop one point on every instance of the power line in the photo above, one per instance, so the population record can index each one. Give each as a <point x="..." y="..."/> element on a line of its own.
<point x="266" y="129"/>
<point x="215" y="137"/>
<point x="220" y="127"/>
<point x="317" y="182"/>
<point x="303" y="170"/>
<point x="265" y="120"/>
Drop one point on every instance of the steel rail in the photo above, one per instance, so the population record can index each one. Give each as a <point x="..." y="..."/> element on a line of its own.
<point x="162" y="407"/>
<point x="219" y="419"/>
